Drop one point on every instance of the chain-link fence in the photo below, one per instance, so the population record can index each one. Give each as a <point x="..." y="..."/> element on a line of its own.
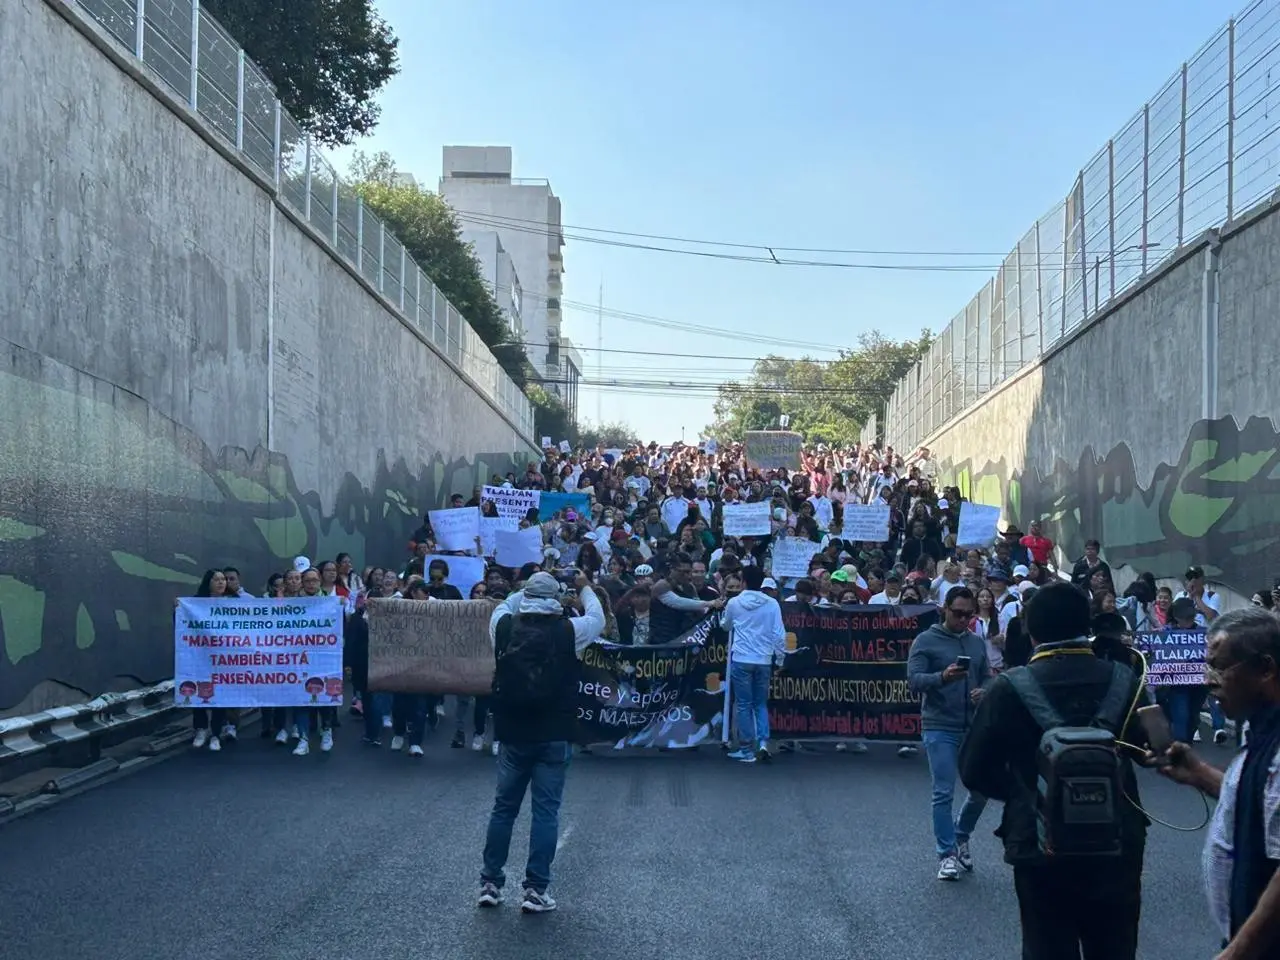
<point x="1203" y="150"/>
<point x="188" y="51"/>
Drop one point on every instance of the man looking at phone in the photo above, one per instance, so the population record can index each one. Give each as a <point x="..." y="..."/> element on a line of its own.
<point x="1066" y="903"/>
<point x="948" y="665"/>
<point x="1242" y="849"/>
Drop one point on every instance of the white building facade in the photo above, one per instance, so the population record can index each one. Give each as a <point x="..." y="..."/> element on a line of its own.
<point x="525" y="215"/>
<point x="499" y="274"/>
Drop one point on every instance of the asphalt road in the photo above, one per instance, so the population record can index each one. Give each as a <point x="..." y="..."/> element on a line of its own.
<point x="253" y="853"/>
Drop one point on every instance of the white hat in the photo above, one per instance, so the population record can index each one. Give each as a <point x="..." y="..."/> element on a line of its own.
<point x="1025" y="587"/>
<point x="301" y="564"/>
<point x="1021" y="570"/>
<point x="769" y="584"/>
<point x="779" y="514"/>
<point x="644" y="570"/>
<point x="942" y="504"/>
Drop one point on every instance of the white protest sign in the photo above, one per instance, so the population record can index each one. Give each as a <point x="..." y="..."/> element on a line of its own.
<point x="823" y="512"/>
<point x="455" y="529"/>
<point x="978" y="524"/>
<point x="791" y="556"/>
<point x="257" y="653"/>
<point x="515" y="548"/>
<point x="510" y="501"/>
<point x="546" y="443"/>
<point x="773" y="449"/>
<point x="866" y="521"/>
<point x="464" y="572"/>
<point x="712" y="446"/>
<point x="746" y="519"/>
<point x="489" y="527"/>
<point x="564" y="446"/>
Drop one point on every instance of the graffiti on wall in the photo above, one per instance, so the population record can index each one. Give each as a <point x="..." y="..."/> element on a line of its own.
<point x="108" y="511"/>
<point x="1217" y="506"/>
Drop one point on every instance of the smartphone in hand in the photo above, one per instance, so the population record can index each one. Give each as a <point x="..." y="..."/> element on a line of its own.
<point x="964" y="662"/>
<point x="1156" y="726"/>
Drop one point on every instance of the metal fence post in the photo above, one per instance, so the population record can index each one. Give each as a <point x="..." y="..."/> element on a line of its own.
<point x="1146" y="178"/>
<point x="382" y="255"/>
<point x="359" y="234"/>
<point x="333" y="205"/>
<point x="1084" y="261"/>
<point x="417" y="297"/>
<point x="240" y="100"/>
<point x="276" y="145"/>
<point x="1182" y="156"/>
<point x="1231" y="118"/>
<point x="402" y="260"/>
<point x="195" y="55"/>
<point x="140" y="29"/>
<point x="1039" y="297"/>
<point x="1111" y="220"/>
<point x="1062" y="280"/>
<point x="306" y="202"/>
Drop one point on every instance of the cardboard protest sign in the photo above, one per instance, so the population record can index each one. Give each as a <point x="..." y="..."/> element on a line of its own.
<point x="430" y="646"/>
<point x="773" y="449"/>
<point x="455" y="529"/>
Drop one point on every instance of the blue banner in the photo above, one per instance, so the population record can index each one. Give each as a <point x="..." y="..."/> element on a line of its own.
<point x="549" y="504"/>
<point x="1175" y="658"/>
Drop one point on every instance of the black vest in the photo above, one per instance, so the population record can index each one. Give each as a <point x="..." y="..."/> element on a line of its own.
<point x="666" y="623"/>
<point x="558" y="720"/>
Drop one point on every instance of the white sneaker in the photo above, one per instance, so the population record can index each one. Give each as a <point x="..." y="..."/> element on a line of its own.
<point x="282" y="737"/>
<point x="535" y="902"/>
<point x="397" y="743"/>
<point x="386" y="723"/>
<point x="1197" y="738"/>
<point x="856" y="746"/>
<point x="490" y="895"/>
<point x="215" y="744"/>
<point x="303" y="747"/>
<point x="326" y="740"/>
<point x="907" y="751"/>
<point x="493" y="747"/>
<point x="477" y="743"/>
<point x="948" y="868"/>
<point x="294" y="733"/>
<point x="200" y="739"/>
<point x="415" y="751"/>
<point x="228" y="731"/>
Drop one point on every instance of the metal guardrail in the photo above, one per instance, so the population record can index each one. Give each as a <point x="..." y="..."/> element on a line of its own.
<point x="188" y="51"/>
<point x="1205" y="148"/>
<point x="22" y="736"/>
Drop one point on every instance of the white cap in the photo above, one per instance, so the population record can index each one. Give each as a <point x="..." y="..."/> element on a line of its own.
<point x="301" y="564"/>
<point x="769" y="584"/>
<point x="942" y="504"/>
<point x="644" y="570"/>
<point x="1021" y="570"/>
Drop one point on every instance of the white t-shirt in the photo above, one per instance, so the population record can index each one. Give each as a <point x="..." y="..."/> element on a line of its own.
<point x="883" y="598"/>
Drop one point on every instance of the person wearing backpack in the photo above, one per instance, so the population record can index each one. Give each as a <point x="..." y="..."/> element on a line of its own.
<point x="1045" y="741"/>
<point x="535" y="683"/>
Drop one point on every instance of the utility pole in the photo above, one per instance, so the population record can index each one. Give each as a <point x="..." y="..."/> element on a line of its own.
<point x="600" y="356"/>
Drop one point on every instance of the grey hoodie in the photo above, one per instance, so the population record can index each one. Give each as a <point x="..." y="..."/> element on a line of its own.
<point x="946" y="706"/>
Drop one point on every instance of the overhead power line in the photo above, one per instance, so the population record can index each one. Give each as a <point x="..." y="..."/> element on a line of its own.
<point x="769" y="256"/>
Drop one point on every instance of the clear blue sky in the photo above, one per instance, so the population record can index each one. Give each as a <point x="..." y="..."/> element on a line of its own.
<point x="819" y="123"/>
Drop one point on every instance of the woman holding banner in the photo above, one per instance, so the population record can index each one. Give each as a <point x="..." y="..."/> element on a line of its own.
<point x="206" y="720"/>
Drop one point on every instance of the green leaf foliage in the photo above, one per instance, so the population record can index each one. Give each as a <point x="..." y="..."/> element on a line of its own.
<point x="327" y="58"/>
<point x="827" y="401"/>
<point x="426" y="225"/>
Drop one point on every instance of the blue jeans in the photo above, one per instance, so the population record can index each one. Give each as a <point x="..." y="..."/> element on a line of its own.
<point x="376" y="706"/>
<point x="749" y="683"/>
<point x="543" y="767"/>
<point x="1182" y="705"/>
<point x="943" y="750"/>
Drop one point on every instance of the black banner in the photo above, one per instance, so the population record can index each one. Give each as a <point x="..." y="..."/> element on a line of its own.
<point x="846" y="678"/>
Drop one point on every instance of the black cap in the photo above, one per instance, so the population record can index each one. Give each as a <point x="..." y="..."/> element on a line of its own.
<point x="1194" y="573"/>
<point x="1184" y="608"/>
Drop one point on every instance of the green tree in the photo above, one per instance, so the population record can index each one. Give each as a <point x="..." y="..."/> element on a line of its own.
<point x="427" y="227"/>
<point x="550" y="417"/>
<point x="327" y="58"/>
<point x="616" y="434"/>
<point x="827" y="401"/>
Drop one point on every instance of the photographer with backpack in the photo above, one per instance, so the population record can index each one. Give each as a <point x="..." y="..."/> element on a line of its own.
<point x="536" y="646"/>
<point x="1045" y="741"/>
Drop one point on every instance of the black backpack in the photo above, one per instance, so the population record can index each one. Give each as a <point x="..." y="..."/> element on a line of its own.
<point x="526" y="671"/>
<point x="1079" y="791"/>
